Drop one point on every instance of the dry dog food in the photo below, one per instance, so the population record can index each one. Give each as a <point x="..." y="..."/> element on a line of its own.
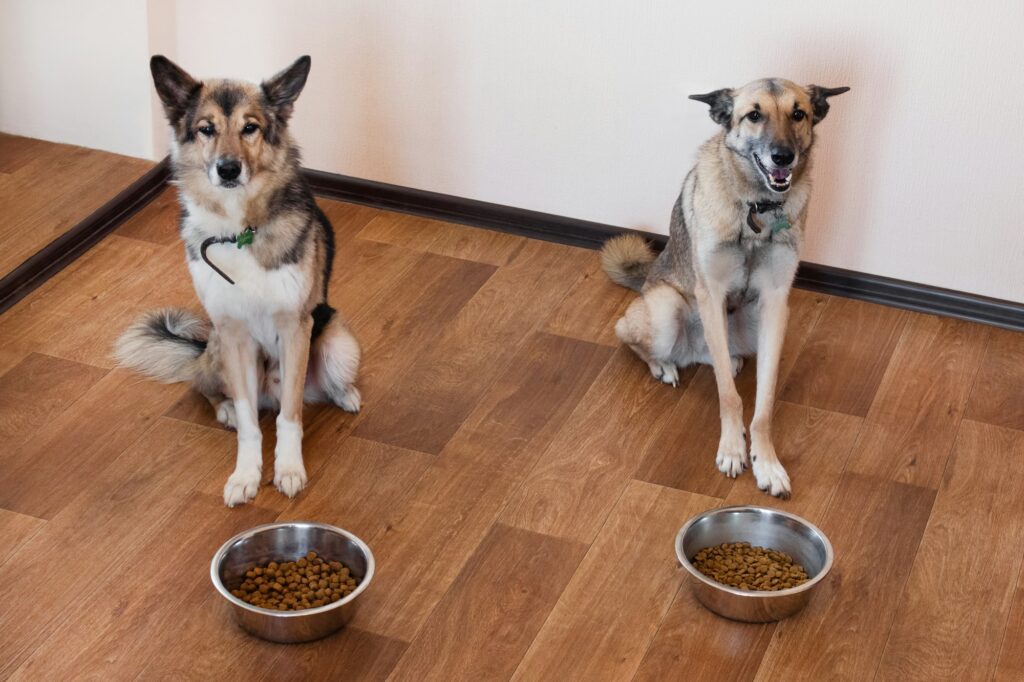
<point x="295" y="585"/>
<point x="749" y="568"/>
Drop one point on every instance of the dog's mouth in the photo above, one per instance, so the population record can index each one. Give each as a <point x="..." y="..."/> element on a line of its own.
<point x="777" y="179"/>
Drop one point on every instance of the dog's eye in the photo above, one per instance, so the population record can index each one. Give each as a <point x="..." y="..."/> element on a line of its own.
<point x="754" y="116"/>
<point x="799" y="115"/>
<point x="207" y="130"/>
<point x="250" y="128"/>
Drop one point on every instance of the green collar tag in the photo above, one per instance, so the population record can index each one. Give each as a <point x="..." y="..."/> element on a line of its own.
<point x="245" y="237"/>
<point x="779" y="225"/>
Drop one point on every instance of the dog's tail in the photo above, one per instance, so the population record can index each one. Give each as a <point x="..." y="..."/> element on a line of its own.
<point x="626" y="260"/>
<point x="164" y="344"/>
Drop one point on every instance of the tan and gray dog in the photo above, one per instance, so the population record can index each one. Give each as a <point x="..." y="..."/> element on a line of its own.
<point x="259" y="251"/>
<point x="718" y="292"/>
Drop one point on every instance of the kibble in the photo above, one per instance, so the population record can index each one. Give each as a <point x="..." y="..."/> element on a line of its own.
<point x="740" y="565"/>
<point x="306" y="583"/>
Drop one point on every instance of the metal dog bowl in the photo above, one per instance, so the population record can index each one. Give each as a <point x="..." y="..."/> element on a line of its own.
<point x="289" y="542"/>
<point x="764" y="527"/>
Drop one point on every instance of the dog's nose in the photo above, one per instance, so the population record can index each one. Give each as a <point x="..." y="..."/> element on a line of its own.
<point x="783" y="156"/>
<point x="229" y="169"/>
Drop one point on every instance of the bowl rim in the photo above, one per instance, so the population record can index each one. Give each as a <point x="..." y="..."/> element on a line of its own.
<point x="218" y="557"/>
<point x="755" y="594"/>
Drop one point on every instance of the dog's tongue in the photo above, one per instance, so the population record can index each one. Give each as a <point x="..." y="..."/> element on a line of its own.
<point x="780" y="174"/>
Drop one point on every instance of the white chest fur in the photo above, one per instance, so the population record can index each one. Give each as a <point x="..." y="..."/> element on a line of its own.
<point x="257" y="295"/>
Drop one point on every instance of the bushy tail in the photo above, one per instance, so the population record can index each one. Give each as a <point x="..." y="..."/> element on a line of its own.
<point x="164" y="345"/>
<point x="626" y="260"/>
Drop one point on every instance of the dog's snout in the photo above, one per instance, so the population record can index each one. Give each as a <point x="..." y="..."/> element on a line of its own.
<point x="230" y="169"/>
<point x="783" y="156"/>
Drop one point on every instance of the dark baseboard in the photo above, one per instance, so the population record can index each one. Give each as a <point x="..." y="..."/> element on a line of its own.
<point x="63" y="250"/>
<point x="810" y="276"/>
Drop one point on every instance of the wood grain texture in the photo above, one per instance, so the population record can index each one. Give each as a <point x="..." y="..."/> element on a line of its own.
<point x="970" y="557"/>
<point x="118" y="509"/>
<point x="347" y="219"/>
<point x="452" y="507"/>
<point x="909" y="430"/>
<point x="445" y="239"/>
<point x="425" y="408"/>
<point x="352" y="654"/>
<point x="115" y="632"/>
<point x="875" y="527"/>
<point x="843" y="360"/>
<point x="599" y="630"/>
<point x="46" y="188"/>
<point x="46" y="472"/>
<point x="34" y="392"/>
<point x="1010" y="665"/>
<point x="15" y="530"/>
<point x="591" y="308"/>
<point x="573" y="486"/>
<point x="157" y="222"/>
<point x="497" y="604"/>
<point x="997" y="397"/>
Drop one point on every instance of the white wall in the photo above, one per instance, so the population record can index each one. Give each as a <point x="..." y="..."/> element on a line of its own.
<point x="579" y="108"/>
<point x="76" y="72"/>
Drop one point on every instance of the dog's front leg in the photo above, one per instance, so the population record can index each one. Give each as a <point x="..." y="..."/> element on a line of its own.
<point x="732" y="448"/>
<point x="768" y="470"/>
<point x="241" y="371"/>
<point x="294" y="334"/>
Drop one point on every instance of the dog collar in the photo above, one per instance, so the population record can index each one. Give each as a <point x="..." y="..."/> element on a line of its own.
<point x="758" y="207"/>
<point x="243" y="238"/>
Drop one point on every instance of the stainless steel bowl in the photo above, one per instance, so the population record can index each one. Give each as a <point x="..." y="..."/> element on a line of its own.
<point x="288" y="542"/>
<point x="764" y="527"/>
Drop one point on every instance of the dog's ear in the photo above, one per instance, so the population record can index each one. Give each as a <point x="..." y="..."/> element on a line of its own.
<point x="819" y="100"/>
<point x="283" y="89"/>
<point x="720" y="102"/>
<point x="175" y="87"/>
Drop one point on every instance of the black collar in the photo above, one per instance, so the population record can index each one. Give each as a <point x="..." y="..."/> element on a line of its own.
<point x="243" y="238"/>
<point x="759" y="207"/>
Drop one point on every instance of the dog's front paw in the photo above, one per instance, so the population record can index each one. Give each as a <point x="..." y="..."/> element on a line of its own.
<point x="290" y="477"/>
<point x="241" y="487"/>
<point x="732" y="453"/>
<point x="665" y="372"/>
<point x="769" y="473"/>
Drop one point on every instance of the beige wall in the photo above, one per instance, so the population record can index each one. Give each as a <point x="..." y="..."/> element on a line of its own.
<point x="578" y="107"/>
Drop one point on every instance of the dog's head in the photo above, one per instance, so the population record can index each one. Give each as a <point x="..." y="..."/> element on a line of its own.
<point x="770" y="123"/>
<point x="231" y="130"/>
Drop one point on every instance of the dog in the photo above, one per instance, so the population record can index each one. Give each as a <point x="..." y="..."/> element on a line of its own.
<point x="719" y="290"/>
<point x="260" y="253"/>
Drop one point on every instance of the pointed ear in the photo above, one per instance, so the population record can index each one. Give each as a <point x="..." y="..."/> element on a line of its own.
<point x="819" y="100"/>
<point x="720" y="102"/>
<point x="175" y="87"/>
<point x="283" y="89"/>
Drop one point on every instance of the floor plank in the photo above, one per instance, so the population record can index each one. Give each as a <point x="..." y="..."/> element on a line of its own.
<point x="609" y="613"/>
<point x="34" y="392"/>
<point x="350" y="655"/>
<point x="875" y="527"/>
<point x="574" y="484"/>
<point x="16" y="529"/>
<point x="48" y="188"/>
<point x="451" y="509"/>
<point x="843" y="360"/>
<point x="115" y="632"/>
<point x="591" y="308"/>
<point x="997" y="397"/>
<point x="157" y="221"/>
<point x="909" y="430"/>
<point x="970" y="555"/>
<point x="118" y="509"/>
<point x="46" y="472"/>
<point x="445" y="239"/>
<point x="497" y="604"/>
<point x="426" y="406"/>
<point x="1010" y="665"/>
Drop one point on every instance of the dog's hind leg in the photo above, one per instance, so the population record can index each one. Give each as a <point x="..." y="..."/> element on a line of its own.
<point x="334" y="364"/>
<point x="652" y="326"/>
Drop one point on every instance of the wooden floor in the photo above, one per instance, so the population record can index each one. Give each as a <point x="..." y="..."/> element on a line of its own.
<point x="518" y="474"/>
<point x="46" y="188"/>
